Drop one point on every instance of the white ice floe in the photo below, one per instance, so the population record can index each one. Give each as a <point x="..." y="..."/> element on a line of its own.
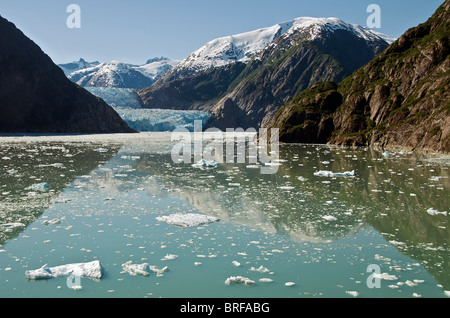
<point x="143" y="269"/>
<point x="324" y="173"/>
<point x="260" y="269"/>
<point x="187" y="220"/>
<point x="266" y="280"/>
<point x="289" y="284"/>
<point x="42" y="187"/>
<point x="434" y="212"/>
<point x="91" y="270"/>
<point x="169" y="257"/>
<point x="236" y="263"/>
<point x="203" y="163"/>
<point x="12" y="225"/>
<point x="385" y="276"/>
<point x="353" y="293"/>
<point x="329" y="218"/>
<point x="239" y="280"/>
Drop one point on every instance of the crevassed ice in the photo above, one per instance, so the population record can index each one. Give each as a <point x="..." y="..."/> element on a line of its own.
<point x="161" y="119"/>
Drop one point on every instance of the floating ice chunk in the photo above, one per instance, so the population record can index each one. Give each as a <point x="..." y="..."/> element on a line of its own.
<point x="353" y="293"/>
<point x="91" y="270"/>
<point x="42" y="187"/>
<point x="236" y="263"/>
<point x="12" y="225"/>
<point x="51" y="222"/>
<point x="385" y="276"/>
<point x="266" y="280"/>
<point x="387" y="154"/>
<point x="289" y="284"/>
<point x="136" y="269"/>
<point x="143" y="269"/>
<point x="324" y="173"/>
<point x="169" y="257"/>
<point x="101" y="150"/>
<point x="329" y="218"/>
<point x="157" y="271"/>
<point x="239" y="280"/>
<point x="433" y="212"/>
<point x="187" y="220"/>
<point x="203" y="163"/>
<point x="260" y="269"/>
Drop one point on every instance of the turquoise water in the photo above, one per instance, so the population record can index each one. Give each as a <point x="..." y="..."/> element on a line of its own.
<point x="105" y="196"/>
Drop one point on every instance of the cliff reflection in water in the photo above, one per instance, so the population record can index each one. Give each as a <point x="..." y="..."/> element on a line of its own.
<point x="34" y="174"/>
<point x="390" y="193"/>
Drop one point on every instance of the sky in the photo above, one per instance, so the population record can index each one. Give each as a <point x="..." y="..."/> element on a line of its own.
<point x="134" y="31"/>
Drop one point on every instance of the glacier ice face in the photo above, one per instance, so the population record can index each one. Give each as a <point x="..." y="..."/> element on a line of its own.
<point x="117" y="97"/>
<point x="127" y="104"/>
<point x="161" y="119"/>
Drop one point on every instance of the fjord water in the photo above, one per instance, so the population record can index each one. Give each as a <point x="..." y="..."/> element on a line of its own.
<point x="319" y="232"/>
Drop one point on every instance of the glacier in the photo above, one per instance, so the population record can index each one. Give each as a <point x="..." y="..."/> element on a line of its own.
<point x="128" y="105"/>
<point x="161" y="119"/>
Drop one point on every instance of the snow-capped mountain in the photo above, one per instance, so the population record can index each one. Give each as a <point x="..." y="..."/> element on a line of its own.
<point x="77" y="65"/>
<point x="242" y="47"/>
<point x="122" y="75"/>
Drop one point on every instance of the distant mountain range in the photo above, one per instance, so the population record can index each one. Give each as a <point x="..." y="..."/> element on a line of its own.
<point x="401" y="98"/>
<point x="117" y="74"/>
<point x="245" y="78"/>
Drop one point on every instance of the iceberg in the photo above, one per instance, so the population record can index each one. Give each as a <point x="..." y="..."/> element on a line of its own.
<point x="324" y="173"/>
<point x="42" y="187"/>
<point x="434" y="212"/>
<point x="239" y="280"/>
<point x="12" y="225"/>
<point x="187" y="220"/>
<point x="206" y="163"/>
<point x="91" y="270"/>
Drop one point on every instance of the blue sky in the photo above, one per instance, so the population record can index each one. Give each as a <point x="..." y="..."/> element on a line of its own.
<point x="135" y="30"/>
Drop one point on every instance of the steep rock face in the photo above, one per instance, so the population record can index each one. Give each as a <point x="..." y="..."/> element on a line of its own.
<point x="401" y="98"/>
<point x="290" y="65"/>
<point x="199" y="91"/>
<point x="36" y="96"/>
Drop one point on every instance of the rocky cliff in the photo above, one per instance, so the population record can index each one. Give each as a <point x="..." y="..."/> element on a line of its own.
<point x="36" y="96"/>
<point x="401" y="98"/>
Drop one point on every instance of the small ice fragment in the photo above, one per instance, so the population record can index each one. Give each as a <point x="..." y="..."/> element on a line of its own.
<point x="12" y="225"/>
<point x="289" y="284"/>
<point x="42" y="187"/>
<point x="266" y="280"/>
<point x="239" y="280"/>
<point x="329" y="218"/>
<point x="101" y="150"/>
<point x="169" y="257"/>
<point x="91" y="270"/>
<point x="434" y="212"/>
<point x="136" y="269"/>
<point x="385" y="276"/>
<point x="51" y="222"/>
<point x="260" y="269"/>
<point x="187" y="220"/>
<point x="323" y="173"/>
<point x="236" y="263"/>
<point x="353" y="293"/>
<point x="203" y="163"/>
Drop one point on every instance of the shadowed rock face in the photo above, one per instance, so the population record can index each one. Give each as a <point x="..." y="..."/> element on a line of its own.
<point x="401" y="98"/>
<point x="36" y="96"/>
